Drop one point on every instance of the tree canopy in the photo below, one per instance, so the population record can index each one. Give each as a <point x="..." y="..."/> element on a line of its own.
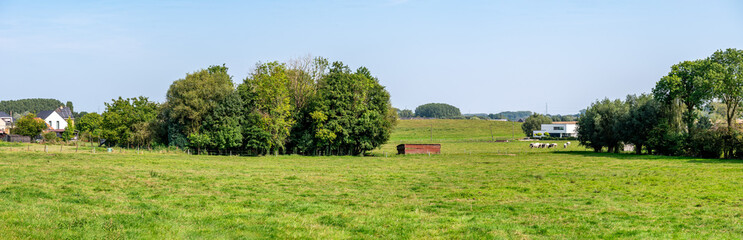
<point x="29" y="125"/>
<point x="534" y="122"/>
<point x="32" y="105"/>
<point x="437" y="110"/>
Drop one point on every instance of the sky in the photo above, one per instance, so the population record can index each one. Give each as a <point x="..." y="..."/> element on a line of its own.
<point x="481" y="56"/>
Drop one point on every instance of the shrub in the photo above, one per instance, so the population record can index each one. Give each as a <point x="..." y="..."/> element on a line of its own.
<point x="706" y="143"/>
<point x="49" y="137"/>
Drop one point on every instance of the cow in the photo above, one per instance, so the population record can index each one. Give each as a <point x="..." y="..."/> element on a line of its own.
<point x="565" y="145"/>
<point x="535" y="145"/>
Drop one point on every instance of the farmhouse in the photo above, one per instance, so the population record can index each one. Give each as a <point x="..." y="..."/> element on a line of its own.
<point x="558" y="129"/>
<point x="53" y="120"/>
<point x="6" y="122"/>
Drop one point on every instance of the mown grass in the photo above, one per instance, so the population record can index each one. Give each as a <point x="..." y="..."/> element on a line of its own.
<point x="535" y="194"/>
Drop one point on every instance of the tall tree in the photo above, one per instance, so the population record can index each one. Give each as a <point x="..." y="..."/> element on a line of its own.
<point x="726" y="71"/>
<point x="267" y="92"/>
<point x="189" y="100"/>
<point x="688" y="81"/>
<point x="599" y="127"/>
<point x="224" y="125"/>
<point x="643" y="115"/>
<point x="351" y="114"/>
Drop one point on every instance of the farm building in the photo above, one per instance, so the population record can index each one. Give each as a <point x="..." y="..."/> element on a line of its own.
<point x="6" y="122"/>
<point x="558" y="129"/>
<point x="418" y="148"/>
<point x="53" y="119"/>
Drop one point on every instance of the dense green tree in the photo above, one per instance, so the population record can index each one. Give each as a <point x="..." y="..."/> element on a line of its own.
<point x="125" y="119"/>
<point x="599" y="126"/>
<point x="534" y="122"/>
<point x="33" y="105"/>
<point x="267" y="92"/>
<point x="189" y="100"/>
<point x="351" y="114"/>
<point x="644" y="114"/>
<point x="726" y="72"/>
<point x="688" y="82"/>
<point x="223" y="126"/>
<point x="437" y="110"/>
<point x="29" y="125"/>
<point x="89" y="123"/>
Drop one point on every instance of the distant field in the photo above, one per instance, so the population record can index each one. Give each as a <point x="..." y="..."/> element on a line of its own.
<point x="488" y="191"/>
<point x="458" y="136"/>
<point x="454" y="130"/>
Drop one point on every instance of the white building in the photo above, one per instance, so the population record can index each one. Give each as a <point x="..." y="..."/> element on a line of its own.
<point x="558" y="129"/>
<point x="53" y="119"/>
<point x="6" y="121"/>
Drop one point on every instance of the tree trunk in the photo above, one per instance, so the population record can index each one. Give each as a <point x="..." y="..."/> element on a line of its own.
<point x="638" y="149"/>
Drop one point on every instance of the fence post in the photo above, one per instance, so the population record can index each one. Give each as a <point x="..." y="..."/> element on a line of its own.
<point x="46" y="149"/>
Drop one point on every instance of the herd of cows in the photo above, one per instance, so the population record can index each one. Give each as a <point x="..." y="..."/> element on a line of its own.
<point x="547" y="145"/>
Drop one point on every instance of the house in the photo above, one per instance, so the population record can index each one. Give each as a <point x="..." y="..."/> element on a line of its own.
<point x="65" y="113"/>
<point x="558" y="129"/>
<point x="418" y="148"/>
<point x="6" y="122"/>
<point x="53" y="120"/>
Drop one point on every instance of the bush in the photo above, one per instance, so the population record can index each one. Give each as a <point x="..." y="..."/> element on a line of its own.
<point x="706" y="143"/>
<point x="49" y="137"/>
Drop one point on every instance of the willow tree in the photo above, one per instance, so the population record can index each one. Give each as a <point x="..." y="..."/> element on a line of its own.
<point x="688" y="82"/>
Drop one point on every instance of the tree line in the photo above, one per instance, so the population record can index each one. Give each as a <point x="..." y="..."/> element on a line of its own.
<point x="692" y="111"/>
<point x="306" y="106"/>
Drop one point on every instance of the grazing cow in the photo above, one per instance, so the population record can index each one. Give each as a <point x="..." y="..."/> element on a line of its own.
<point x="565" y="145"/>
<point x="568" y="143"/>
<point x="535" y="145"/>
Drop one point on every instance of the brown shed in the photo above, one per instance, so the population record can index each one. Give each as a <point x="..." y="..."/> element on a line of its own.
<point x="418" y="148"/>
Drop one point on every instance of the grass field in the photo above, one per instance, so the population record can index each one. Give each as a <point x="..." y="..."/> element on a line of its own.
<point x="485" y="194"/>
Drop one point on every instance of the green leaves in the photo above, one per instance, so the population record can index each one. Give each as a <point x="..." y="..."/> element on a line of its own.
<point x="29" y="125"/>
<point x="437" y="110"/>
<point x="124" y="120"/>
<point x="534" y="122"/>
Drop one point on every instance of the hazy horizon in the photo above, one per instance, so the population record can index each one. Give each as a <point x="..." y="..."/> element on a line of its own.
<point x="481" y="56"/>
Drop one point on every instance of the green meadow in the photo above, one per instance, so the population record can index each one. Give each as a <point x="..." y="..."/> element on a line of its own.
<point x="475" y="189"/>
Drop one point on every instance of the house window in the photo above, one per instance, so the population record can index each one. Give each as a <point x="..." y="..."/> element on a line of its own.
<point x="559" y="128"/>
<point x="50" y="124"/>
<point x="57" y="124"/>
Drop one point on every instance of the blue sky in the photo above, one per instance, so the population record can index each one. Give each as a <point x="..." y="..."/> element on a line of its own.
<point x="482" y="56"/>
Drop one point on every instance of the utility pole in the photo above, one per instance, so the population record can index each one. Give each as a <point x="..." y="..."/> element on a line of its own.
<point x="491" y="133"/>
<point x="431" y="132"/>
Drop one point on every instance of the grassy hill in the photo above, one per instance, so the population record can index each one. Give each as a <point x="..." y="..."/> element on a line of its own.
<point x="460" y="136"/>
<point x="454" y="130"/>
